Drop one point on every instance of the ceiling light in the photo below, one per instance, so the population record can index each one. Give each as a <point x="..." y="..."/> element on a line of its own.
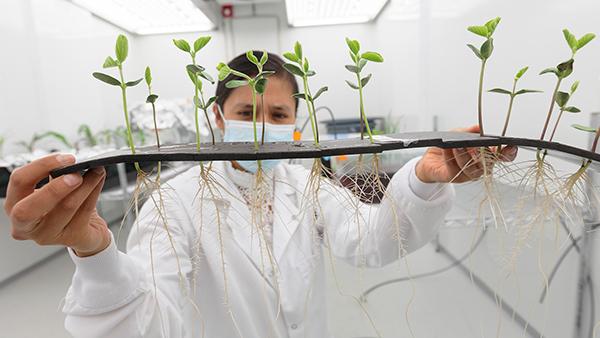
<point x="150" y="16"/>
<point x="332" y="12"/>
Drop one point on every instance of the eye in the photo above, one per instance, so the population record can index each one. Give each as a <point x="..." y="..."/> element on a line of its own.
<point x="280" y="116"/>
<point x="245" y="114"/>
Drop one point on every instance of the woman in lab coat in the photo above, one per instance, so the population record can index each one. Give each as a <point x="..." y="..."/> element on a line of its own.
<point x="175" y="286"/>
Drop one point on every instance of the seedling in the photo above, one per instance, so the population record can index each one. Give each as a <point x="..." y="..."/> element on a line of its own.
<point x="196" y="73"/>
<point x="360" y="60"/>
<point x="30" y="145"/>
<point x="483" y="53"/>
<point x="562" y="99"/>
<point x="564" y="69"/>
<point x="152" y="100"/>
<point x="513" y="94"/>
<point x="86" y="132"/>
<point x="121" y="52"/>
<point x="301" y="68"/>
<point x="573" y="180"/>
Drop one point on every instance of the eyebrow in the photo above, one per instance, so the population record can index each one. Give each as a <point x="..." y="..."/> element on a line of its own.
<point x="273" y="106"/>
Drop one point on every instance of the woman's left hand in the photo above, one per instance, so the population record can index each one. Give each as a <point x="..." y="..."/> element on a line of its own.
<point x="457" y="165"/>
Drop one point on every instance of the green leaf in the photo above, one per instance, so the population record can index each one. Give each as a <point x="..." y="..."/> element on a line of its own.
<point x="562" y="98"/>
<point x="583" y="128"/>
<point x="500" y="91"/>
<point x="526" y="91"/>
<point x="552" y="70"/>
<point x="200" y="43"/>
<point x="251" y="57"/>
<point x="182" y="44"/>
<point x="148" y="76"/>
<point x="133" y="83"/>
<point x="310" y="73"/>
<point x="361" y="64"/>
<point x="224" y="71"/>
<point x="521" y="72"/>
<point x="352" y="85"/>
<point x="479" y="30"/>
<point x="572" y="109"/>
<point x="264" y="58"/>
<point x="302" y="96"/>
<point x="109" y="62"/>
<point x="492" y="24"/>
<point x="475" y="50"/>
<point x="207" y="76"/>
<point x="365" y="80"/>
<point x="198" y="103"/>
<point x="194" y="77"/>
<point x="565" y="69"/>
<point x="353" y="45"/>
<point x="260" y="86"/>
<point x="571" y="40"/>
<point x="210" y="101"/>
<point x="291" y="56"/>
<point x="306" y="65"/>
<point x="353" y="57"/>
<point x="293" y="69"/>
<point x="151" y="98"/>
<point x="574" y="86"/>
<point x="487" y="48"/>
<point x="266" y="73"/>
<point x="372" y="56"/>
<point x="122" y="48"/>
<point x="194" y="69"/>
<point x="298" y="50"/>
<point x="320" y="91"/>
<point x="352" y="69"/>
<point x="584" y="40"/>
<point x="106" y="79"/>
<point x="236" y="83"/>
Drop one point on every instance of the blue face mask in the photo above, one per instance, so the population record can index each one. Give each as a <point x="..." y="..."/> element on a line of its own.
<point x="243" y="131"/>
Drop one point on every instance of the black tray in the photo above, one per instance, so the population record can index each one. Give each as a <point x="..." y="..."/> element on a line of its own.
<point x="287" y="150"/>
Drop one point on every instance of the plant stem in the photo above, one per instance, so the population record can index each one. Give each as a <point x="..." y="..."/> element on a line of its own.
<point x="363" y="115"/>
<point x="126" y="113"/>
<point x="510" y="106"/>
<point x="196" y="109"/>
<point x="551" y="108"/>
<point x="556" y="124"/>
<point x="311" y="110"/>
<point x="254" y="117"/>
<point x="155" y="125"/>
<point x="480" y="97"/>
<point x="595" y="143"/>
<point x="212" y="133"/>
<point x="262" y="104"/>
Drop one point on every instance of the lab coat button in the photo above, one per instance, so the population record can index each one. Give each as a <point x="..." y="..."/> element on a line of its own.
<point x="294" y="326"/>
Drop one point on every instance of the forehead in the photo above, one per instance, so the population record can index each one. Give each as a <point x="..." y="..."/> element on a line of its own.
<point x="278" y="92"/>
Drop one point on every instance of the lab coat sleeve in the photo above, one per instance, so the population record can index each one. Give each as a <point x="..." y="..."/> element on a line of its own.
<point x="374" y="235"/>
<point x="113" y="294"/>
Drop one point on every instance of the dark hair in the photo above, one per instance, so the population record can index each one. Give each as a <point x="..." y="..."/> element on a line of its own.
<point x="241" y="64"/>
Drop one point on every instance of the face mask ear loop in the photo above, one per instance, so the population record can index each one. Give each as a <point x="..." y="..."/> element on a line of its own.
<point x="220" y="111"/>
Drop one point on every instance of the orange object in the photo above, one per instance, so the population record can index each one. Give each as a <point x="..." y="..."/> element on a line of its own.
<point x="342" y="158"/>
<point x="297" y="135"/>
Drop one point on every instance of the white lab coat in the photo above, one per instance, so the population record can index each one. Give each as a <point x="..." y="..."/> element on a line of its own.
<point x="113" y="293"/>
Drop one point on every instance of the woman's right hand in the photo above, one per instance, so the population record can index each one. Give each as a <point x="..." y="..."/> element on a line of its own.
<point x="63" y="212"/>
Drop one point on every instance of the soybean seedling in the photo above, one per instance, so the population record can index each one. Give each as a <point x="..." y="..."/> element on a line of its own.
<point x="573" y="180"/>
<point x="562" y="99"/>
<point x="483" y="53"/>
<point x="121" y="52"/>
<point x="300" y="67"/>
<point x="30" y="145"/>
<point x="196" y="73"/>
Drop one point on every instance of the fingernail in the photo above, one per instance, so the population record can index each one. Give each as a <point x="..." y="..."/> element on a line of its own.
<point x="65" y="158"/>
<point x="72" y="179"/>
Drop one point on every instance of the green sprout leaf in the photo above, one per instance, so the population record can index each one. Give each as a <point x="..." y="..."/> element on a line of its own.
<point x="264" y="58"/>
<point x="500" y="91"/>
<point x="365" y="80"/>
<point x="236" y="83"/>
<point x="562" y="98"/>
<point x="352" y="69"/>
<point x="133" y="83"/>
<point x="207" y="76"/>
<point x="198" y="44"/>
<point x="298" y="50"/>
<point x="584" y="40"/>
<point x="583" y="128"/>
<point x="210" y="101"/>
<point x="251" y="57"/>
<point x="151" y="98"/>
<point x="492" y="24"/>
<point x="182" y="44"/>
<point x="224" y="71"/>
<point x="572" y="109"/>
<point x="479" y="30"/>
<point x="361" y="64"/>
<point x="352" y="85"/>
<point x="487" y="48"/>
<point x="565" y="69"/>
<point x="122" y="48"/>
<point x="106" y="79"/>
<point x="353" y="57"/>
<point x="353" y="45"/>
<point x="293" y="69"/>
<point x="291" y="56"/>
<point x="552" y="70"/>
<point x="306" y="65"/>
<point x="197" y="102"/>
<point x="526" y="91"/>
<point x="372" y="56"/>
<point x="574" y="86"/>
<point x="571" y="40"/>
<point x="148" y="76"/>
<point x="302" y="96"/>
<point x="109" y="62"/>
<point x="266" y="73"/>
<point x="195" y="69"/>
<point x="320" y="91"/>
<point x="311" y="73"/>
<point x="521" y="72"/>
<point x="475" y="50"/>
<point x="260" y="85"/>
